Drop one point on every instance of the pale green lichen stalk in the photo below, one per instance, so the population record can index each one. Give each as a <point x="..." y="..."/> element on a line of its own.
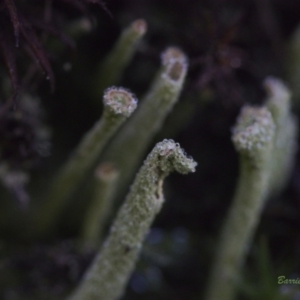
<point x="285" y="146"/>
<point x="293" y="65"/>
<point x="266" y="141"/>
<point x="253" y="138"/>
<point x="109" y="273"/>
<point x="119" y="104"/>
<point x="136" y="135"/>
<point x="100" y="207"/>
<point x="119" y="57"/>
<point x="253" y="133"/>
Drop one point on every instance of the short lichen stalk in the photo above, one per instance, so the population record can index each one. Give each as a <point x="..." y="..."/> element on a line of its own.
<point x="100" y="207"/>
<point x="253" y="138"/>
<point x="135" y="137"/>
<point x="109" y="273"/>
<point x="118" y="106"/>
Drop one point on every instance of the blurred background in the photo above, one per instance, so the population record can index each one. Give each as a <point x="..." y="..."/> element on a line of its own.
<point x="232" y="47"/>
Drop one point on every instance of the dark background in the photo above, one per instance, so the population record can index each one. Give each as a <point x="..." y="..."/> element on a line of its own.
<point x="232" y="46"/>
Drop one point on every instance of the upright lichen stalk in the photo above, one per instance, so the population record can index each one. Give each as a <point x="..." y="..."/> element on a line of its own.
<point x="101" y="205"/>
<point x="253" y="138"/>
<point x="265" y="139"/>
<point x="118" y="106"/>
<point x="285" y="142"/>
<point x="111" y="69"/>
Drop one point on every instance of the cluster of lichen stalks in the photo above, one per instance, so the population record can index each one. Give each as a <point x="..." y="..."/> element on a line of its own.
<point x="262" y="136"/>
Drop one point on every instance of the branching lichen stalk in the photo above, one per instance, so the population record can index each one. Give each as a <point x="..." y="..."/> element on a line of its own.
<point x="118" y="106"/>
<point x="109" y="273"/>
<point x="253" y="138"/>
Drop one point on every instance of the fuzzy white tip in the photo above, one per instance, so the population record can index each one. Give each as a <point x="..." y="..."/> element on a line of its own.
<point x="254" y="129"/>
<point x="120" y="101"/>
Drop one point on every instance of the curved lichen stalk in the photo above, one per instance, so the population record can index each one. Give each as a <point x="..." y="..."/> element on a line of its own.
<point x="108" y="275"/>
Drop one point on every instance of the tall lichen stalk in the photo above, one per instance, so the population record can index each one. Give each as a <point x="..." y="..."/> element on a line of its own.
<point x="265" y="138"/>
<point x="119" y="104"/>
<point x="253" y="138"/>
